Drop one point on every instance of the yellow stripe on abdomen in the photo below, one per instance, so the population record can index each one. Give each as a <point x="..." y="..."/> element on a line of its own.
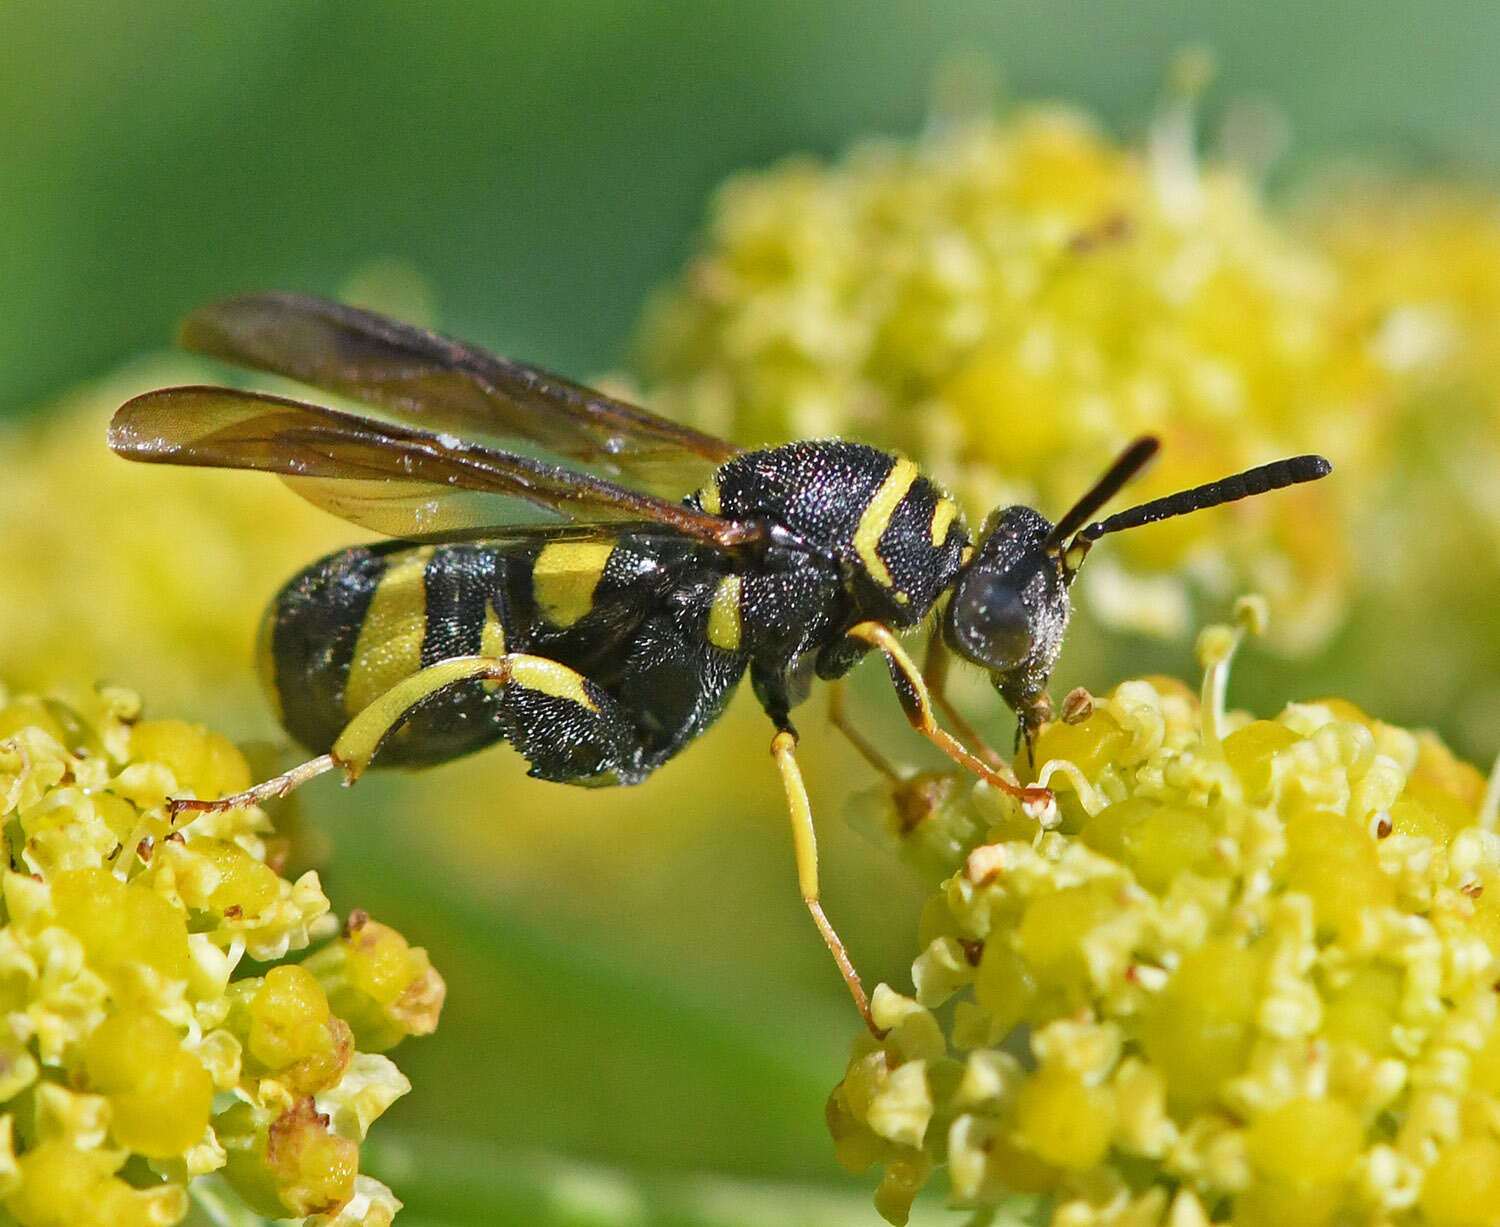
<point x="876" y="518"/>
<point x="564" y="577"/>
<point x="389" y="647"/>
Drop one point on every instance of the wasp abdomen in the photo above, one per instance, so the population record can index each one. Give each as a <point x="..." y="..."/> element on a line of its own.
<point x="352" y="625"/>
<point x="610" y="677"/>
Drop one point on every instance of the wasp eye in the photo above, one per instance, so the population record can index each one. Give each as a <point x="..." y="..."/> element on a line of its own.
<point x="989" y="623"/>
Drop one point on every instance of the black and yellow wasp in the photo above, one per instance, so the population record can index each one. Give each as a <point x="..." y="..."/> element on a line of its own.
<point x="601" y="643"/>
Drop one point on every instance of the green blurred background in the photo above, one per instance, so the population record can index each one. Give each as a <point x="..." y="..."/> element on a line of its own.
<point x="633" y="1004"/>
<point x="545" y="164"/>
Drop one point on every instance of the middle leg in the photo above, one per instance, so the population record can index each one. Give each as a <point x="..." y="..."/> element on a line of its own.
<point x="805" y="844"/>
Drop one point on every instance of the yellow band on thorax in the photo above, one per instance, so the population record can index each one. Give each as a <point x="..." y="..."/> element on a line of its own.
<point x="943" y="516"/>
<point x="876" y="518"/>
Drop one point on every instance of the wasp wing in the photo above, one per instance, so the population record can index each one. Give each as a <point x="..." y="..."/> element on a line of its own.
<point x="437" y="383"/>
<point x="395" y="479"/>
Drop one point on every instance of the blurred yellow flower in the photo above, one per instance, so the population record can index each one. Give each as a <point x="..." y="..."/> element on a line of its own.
<point x="1009" y="303"/>
<point x="136" y="1067"/>
<point x="1420" y="268"/>
<point x="1249" y="977"/>
<point x="141" y="576"/>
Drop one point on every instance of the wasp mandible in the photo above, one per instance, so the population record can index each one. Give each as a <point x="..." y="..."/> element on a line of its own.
<point x="599" y="626"/>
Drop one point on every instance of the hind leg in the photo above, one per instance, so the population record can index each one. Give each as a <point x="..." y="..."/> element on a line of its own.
<point x="564" y="725"/>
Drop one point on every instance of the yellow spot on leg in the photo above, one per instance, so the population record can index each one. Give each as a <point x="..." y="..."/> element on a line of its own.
<point x="389" y="646"/>
<point x="564" y="577"/>
<point x="805" y="844"/>
<point x="724" y="624"/>
<point x="550" y="678"/>
<point x="362" y="736"/>
<point x="876" y="518"/>
<point x="708" y="497"/>
<point x="804" y="836"/>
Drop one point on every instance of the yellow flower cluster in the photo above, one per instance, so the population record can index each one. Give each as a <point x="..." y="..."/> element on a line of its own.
<point x="1009" y="303"/>
<point x="136" y="1069"/>
<point x="1249" y="977"/>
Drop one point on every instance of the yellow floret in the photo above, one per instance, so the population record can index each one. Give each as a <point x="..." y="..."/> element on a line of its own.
<point x="314" y="1169"/>
<point x="159" y="1095"/>
<point x="1462" y="1187"/>
<point x="385" y="988"/>
<point x="63" y="1186"/>
<point x="131" y="936"/>
<point x="288" y="1017"/>
<point x="1062" y="1120"/>
<point x="1200" y="1028"/>
<point x="204" y="764"/>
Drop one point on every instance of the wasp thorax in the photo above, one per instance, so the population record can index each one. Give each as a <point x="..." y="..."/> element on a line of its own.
<point x="1010" y="605"/>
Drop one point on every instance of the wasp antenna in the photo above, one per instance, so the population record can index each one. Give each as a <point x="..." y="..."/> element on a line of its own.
<point x="1260" y="480"/>
<point x="1131" y="461"/>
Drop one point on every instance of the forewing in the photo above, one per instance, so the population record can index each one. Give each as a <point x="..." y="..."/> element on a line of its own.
<point x="440" y="384"/>
<point x="381" y="475"/>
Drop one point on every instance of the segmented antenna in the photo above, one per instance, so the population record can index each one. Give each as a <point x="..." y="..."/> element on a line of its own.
<point x="1266" y="477"/>
<point x="1132" y="460"/>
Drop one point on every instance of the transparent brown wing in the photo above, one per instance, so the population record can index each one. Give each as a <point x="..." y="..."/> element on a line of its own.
<point x="384" y="476"/>
<point x="440" y="384"/>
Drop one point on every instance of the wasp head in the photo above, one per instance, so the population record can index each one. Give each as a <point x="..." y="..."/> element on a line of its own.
<point x="1009" y="605"/>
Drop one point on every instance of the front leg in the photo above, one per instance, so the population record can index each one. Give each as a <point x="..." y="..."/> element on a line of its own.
<point x="916" y="703"/>
<point x="935" y="672"/>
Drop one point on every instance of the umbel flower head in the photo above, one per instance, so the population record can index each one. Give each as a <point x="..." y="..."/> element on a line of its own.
<point x="1005" y="302"/>
<point x="1249" y="977"/>
<point x="139" y="1065"/>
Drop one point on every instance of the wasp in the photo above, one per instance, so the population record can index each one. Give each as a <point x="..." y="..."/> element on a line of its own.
<point x="546" y="584"/>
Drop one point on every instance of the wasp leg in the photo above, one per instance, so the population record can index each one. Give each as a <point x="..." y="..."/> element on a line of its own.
<point x="839" y="718"/>
<point x="362" y="736"/>
<point x="935" y="672"/>
<point x="269" y="790"/>
<point x="916" y="702"/>
<point x="805" y="842"/>
<point x="587" y="751"/>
